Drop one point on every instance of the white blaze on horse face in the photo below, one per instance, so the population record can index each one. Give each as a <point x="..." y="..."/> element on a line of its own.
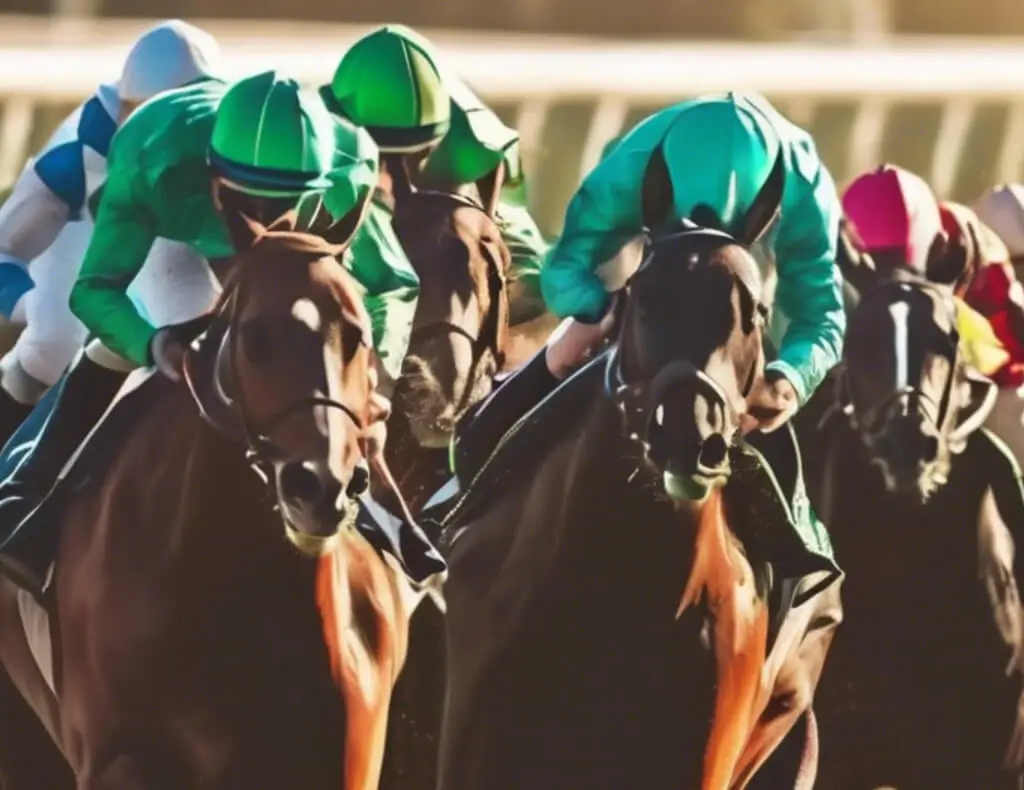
<point x="305" y="311"/>
<point x="900" y="312"/>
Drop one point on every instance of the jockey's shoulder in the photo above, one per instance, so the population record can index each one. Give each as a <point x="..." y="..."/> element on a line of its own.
<point x="174" y="124"/>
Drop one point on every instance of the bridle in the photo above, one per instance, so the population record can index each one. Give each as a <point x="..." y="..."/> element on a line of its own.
<point x="636" y="401"/>
<point x="228" y="414"/>
<point x="488" y="338"/>
<point x="904" y="401"/>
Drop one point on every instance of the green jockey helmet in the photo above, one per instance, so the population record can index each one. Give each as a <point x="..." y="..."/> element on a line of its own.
<point x="720" y="153"/>
<point x="389" y="83"/>
<point x="272" y="138"/>
<point x="476" y="143"/>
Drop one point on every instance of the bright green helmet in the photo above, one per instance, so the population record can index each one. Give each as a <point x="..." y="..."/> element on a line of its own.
<point x="272" y="138"/>
<point x="476" y="143"/>
<point x="720" y="152"/>
<point x="389" y="83"/>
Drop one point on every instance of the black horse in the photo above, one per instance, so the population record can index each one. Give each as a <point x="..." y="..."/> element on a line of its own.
<point x="924" y="683"/>
<point x="618" y="616"/>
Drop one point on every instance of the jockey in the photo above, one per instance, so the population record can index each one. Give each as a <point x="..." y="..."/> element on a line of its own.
<point x="1002" y="209"/>
<point x="190" y="165"/>
<point x="388" y="82"/>
<point x="892" y="214"/>
<point x="894" y="217"/>
<point x="719" y="153"/>
<point x="480" y="155"/>
<point x="46" y="222"/>
<point x="432" y="131"/>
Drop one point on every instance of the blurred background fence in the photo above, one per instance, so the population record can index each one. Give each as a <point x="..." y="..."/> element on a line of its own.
<point x="949" y="108"/>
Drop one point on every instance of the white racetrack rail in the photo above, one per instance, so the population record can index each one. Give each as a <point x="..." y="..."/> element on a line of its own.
<point x="44" y="64"/>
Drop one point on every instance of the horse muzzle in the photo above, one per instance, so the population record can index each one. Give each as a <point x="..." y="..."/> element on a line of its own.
<point x="315" y="505"/>
<point x="689" y="431"/>
<point x="905" y="451"/>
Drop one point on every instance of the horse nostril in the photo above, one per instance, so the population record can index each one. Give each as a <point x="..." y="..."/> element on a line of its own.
<point x="713" y="452"/>
<point x="360" y="481"/>
<point x="299" y="481"/>
<point x="931" y="449"/>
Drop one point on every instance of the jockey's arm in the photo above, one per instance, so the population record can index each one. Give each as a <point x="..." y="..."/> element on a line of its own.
<point x="378" y="262"/>
<point x="810" y="288"/>
<point x="603" y="218"/>
<point x="527" y="247"/>
<point x="125" y="232"/>
<point x="31" y="218"/>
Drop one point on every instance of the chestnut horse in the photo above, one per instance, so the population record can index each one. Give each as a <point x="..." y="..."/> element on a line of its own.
<point x="194" y="646"/>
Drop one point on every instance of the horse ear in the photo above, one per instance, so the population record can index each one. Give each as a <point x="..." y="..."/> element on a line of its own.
<point x="246" y="231"/>
<point x="489" y="188"/>
<point x="286" y="223"/>
<point x="340" y="234"/>
<point x="657" y="197"/>
<point x="766" y="206"/>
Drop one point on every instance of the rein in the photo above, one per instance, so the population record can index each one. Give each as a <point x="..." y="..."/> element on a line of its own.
<point x="873" y="422"/>
<point x="488" y="338"/>
<point x="256" y="437"/>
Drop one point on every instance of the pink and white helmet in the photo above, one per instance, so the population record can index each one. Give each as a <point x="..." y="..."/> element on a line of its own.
<point x="167" y="56"/>
<point x="1002" y="209"/>
<point x="893" y="209"/>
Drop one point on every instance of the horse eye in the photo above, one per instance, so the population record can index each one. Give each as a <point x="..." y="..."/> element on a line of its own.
<point x="257" y="341"/>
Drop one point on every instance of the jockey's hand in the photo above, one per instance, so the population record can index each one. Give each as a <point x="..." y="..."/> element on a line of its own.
<point x="573" y="343"/>
<point x="770" y="403"/>
<point x="168" y="352"/>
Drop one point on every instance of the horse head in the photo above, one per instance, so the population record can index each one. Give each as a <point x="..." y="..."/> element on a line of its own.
<point x="286" y="367"/>
<point x="905" y="387"/>
<point x="461" y="324"/>
<point x="688" y="352"/>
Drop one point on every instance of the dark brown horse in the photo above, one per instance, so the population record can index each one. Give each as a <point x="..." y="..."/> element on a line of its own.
<point x="456" y="347"/>
<point x="610" y="615"/>
<point x="190" y="637"/>
<point x="924" y="683"/>
<point x="459" y="331"/>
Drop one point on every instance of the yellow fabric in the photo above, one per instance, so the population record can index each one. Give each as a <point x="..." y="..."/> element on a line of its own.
<point x="978" y="341"/>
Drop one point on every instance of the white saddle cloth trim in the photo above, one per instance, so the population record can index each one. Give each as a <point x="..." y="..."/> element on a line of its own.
<point x="34" y="617"/>
<point x="36" y="622"/>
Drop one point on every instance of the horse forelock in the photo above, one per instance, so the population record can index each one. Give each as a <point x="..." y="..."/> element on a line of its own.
<point x="895" y="329"/>
<point x="690" y="280"/>
<point x="291" y="254"/>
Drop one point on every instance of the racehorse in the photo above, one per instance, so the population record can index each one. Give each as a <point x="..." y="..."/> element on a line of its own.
<point x="456" y="346"/>
<point x="458" y="335"/>
<point x="924" y="683"/>
<point x="612" y="617"/>
<point x="194" y="645"/>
